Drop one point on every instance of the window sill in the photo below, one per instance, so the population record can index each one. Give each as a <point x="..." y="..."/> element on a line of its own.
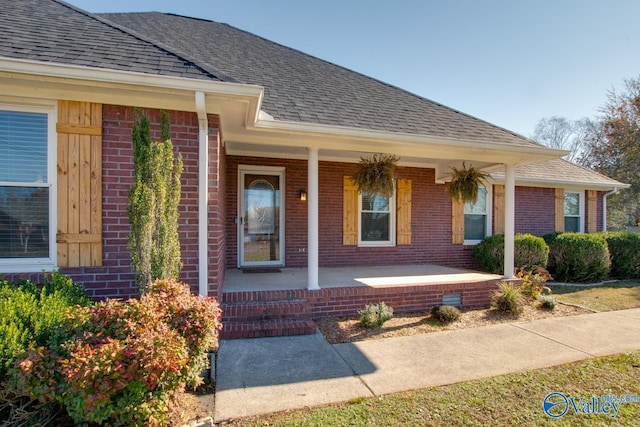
<point x="376" y="245"/>
<point x="26" y="267"/>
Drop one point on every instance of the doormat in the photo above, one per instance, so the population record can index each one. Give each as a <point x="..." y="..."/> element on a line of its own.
<point x="261" y="270"/>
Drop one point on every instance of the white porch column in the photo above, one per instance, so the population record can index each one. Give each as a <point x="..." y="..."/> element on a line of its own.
<point x="509" y="219"/>
<point x="312" y="224"/>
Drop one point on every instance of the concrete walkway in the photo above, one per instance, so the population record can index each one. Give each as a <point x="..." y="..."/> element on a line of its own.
<point x="264" y="375"/>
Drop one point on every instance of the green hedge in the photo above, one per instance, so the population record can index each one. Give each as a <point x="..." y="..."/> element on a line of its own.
<point x="32" y="314"/>
<point x="624" y="248"/>
<point x="578" y="257"/>
<point x="529" y="251"/>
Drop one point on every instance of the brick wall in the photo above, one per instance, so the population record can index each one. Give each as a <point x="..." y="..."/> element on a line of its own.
<point x="115" y="279"/>
<point x="431" y="219"/>
<point x="535" y="210"/>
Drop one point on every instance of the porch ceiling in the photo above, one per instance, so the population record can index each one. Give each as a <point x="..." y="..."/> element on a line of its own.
<point x="340" y="277"/>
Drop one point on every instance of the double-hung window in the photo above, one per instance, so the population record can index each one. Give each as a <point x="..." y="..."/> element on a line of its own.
<point x="26" y="188"/>
<point x="477" y="218"/>
<point x="377" y="220"/>
<point x="572" y="211"/>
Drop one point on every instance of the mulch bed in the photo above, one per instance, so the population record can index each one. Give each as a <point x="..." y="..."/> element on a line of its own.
<point x="348" y="329"/>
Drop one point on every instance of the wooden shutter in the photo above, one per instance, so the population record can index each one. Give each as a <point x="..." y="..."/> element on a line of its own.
<point x="79" y="234"/>
<point x="457" y="222"/>
<point x="404" y="212"/>
<point x="349" y="212"/>
<point x="559" y="209"/>
<point x="498" y="209"/>
<point x="592" y="211"/>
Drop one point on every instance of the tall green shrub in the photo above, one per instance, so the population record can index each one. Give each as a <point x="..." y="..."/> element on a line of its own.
<point x="529" y="251"/>
<point x="153" y="204"/>
<point x="579" y="257"/>
<point x="624" y="248"/>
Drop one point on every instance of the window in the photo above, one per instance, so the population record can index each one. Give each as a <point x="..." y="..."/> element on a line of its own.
<point x="377" y="220"/>
<point x="572" y="212"/>
<point x="25" y="187"/>
<point x="477" y="221"/>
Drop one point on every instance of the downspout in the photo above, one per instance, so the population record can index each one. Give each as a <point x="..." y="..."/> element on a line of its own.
<point x="203" y="194"/>
<point x="604" y="207"/>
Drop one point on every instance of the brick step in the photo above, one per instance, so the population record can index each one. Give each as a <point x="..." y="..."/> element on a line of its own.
<point x="266" y="310"/>
<point x="267" y="328"/>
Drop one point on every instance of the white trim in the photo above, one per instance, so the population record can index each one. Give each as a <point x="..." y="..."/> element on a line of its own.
<point x="581" y="210"/>
<point x="34" y="265"/>
<point x="488" y="217"/>
<point x="392" y="225"/>
<point x="264" y="170"/>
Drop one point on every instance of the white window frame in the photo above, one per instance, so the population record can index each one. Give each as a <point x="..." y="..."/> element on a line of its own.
<point x="488" y="218"/>
<point x="35" y="265"/>
<point x="392" y="225"/>
<point x="581" y="211"/>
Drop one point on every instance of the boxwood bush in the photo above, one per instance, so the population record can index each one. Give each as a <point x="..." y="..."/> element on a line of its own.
<point x="580" y="258"/>
<point x="624" y="248"/>
<point x="31" y="314"/>
<point x="529" y="251"/>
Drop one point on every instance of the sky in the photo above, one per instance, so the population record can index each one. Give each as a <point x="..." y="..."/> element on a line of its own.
<point x="509" y="62"/>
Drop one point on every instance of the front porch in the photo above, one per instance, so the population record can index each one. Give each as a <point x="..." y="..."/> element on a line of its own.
<point x="261" y="304"/>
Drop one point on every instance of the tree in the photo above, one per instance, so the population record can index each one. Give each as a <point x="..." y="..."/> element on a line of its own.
<point x="558" y="132"/>
<point x="612" y="146"/>
<point x="153" y="204"/>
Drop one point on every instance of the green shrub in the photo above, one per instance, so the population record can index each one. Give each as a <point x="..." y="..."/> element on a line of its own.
<point x="529" y="251"/>
<point x="624" y="248"/>
<point x="445" y="313"/>
<point x="533" y="281"/>
<point x="125" y="361"/>
<point x="508" y="299"/>
<point x="546" y="302"/>
<point x="374" y="315"/>
<point x="579" y="257"/>
<point x="33" y="314"/>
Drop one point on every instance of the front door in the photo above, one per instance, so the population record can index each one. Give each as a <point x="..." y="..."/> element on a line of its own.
<point x="261" y="220"/>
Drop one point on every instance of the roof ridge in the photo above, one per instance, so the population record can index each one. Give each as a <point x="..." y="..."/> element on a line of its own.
<point x="138" y="36"/>
<point x="207" y="68"/>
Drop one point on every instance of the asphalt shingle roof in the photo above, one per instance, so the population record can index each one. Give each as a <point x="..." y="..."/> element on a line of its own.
<point x="50" y="31"/>
<point x="301" y="88"/>
<point x="561" y="170"/>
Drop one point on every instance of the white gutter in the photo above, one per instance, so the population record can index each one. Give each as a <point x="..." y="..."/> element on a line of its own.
<point x="203" y="195"/>
<point x="604" y="206"/>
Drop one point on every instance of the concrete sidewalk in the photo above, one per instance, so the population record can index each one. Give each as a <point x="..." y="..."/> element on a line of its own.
<point x="272" y="374"/>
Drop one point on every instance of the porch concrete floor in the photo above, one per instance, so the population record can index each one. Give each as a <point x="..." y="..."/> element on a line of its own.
<point x="341" y="277"/>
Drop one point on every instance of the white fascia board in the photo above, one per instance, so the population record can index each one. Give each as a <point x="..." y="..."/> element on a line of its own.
<point x="559" y="183"/>
<point x="403" y="138"/>
<point x="171" y="89"/>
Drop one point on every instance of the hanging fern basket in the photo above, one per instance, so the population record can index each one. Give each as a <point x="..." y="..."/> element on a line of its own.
<point x="376" y="174"/>
<point x="465" y="183"/>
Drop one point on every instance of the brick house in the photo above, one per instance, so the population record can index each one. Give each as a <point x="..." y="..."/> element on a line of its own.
<point x="269" y="137"/>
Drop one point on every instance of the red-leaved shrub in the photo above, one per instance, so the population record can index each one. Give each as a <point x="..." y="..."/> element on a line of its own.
<point x="125" y="361"/>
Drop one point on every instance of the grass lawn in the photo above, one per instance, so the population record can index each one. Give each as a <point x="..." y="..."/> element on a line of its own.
<point x="514" y="399"/>
<point x="612" y="296"/>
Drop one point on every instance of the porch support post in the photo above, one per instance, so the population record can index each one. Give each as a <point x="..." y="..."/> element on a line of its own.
<point x="509" y="219"/>
<point x="312" y="215"/>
